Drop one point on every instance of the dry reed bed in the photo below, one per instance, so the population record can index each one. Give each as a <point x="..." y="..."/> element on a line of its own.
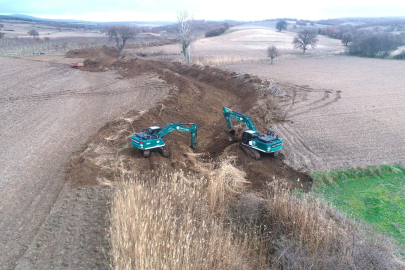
<point x="306" y="233"/>
<point x="171" y="223"/>
<point x="212" y="222"/>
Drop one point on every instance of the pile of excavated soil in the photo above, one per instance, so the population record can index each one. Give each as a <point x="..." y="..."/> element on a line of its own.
<point x="151" y="44"/>
<point x="97" y="59"/>
<point x="93" y="52"/>
<point x="197" y="96"/>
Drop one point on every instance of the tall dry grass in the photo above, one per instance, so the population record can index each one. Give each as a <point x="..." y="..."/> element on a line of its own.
<point x="180" y="221"/>
<point x="306" y="233"/>
<point x="172" y="222"/>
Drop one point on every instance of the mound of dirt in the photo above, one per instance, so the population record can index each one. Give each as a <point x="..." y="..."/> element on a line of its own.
<point x="93" y="52"/>
<point x="151" y="44"/>
<point x="97" y="59"/>
<point x="198" y="95"/>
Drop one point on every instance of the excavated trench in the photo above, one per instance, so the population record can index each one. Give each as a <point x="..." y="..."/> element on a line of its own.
<point x="197" y="96"/>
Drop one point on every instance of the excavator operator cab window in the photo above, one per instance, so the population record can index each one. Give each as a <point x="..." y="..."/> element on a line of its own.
<point x="247" y="137"/>
<point x="154" y="130"/>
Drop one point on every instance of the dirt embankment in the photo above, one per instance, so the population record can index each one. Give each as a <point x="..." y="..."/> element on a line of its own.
<point x="198" y="96"/>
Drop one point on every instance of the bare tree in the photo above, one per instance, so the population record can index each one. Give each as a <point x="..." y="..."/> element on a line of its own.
<point x="346" y="38"/>
<point x="33" y="33"/>
<point x="1" y="35"/>
<point x="304" y="39"/>
<point x="121" y="34"/>
<point x="272" y="52"/>
<point x="186" y="32"/>
<point x="1" y="25"/>
<point x="281" y="25"/>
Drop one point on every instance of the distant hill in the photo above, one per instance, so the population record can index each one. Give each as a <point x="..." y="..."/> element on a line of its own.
<point x="26" y="17"/>
<point x="32" y="18"/>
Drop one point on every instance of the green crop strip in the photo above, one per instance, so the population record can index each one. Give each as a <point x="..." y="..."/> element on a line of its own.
<point x="375" y="194"/>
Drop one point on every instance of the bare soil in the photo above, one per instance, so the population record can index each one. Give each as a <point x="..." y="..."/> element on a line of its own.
<point x="47" y="111"/>
<point x="344" y="111"/>
<point x="341" y="111"/>
<point x="245" y="43"/>
<point x="198" y="97"/>
<point x="47" y="114"/>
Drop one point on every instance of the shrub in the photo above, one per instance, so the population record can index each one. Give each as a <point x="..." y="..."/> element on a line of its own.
<point x="216" y="31"/>
<point x="400" y="56"/>
<point x="371" y="44"/>
<point x="331" y="32"/>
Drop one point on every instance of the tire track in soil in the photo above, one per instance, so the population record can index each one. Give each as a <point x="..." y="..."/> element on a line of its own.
<point x="296" y="103"/>
<point x="296" y="146"/>
<point x="326" y="96"/>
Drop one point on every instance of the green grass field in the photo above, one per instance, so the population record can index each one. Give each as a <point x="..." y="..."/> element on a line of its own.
<point x="374" y="194"/>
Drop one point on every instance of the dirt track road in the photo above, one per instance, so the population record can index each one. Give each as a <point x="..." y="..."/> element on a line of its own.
<point x="345" y="111"/>
<point x="47" y="110"/>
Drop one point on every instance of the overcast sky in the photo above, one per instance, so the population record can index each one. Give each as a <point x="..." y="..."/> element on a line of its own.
<point x="160" y="10"/>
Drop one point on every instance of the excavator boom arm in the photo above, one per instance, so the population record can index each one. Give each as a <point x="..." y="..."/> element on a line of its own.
<point x="164" y="132"/>
<point x="228" y="113"/>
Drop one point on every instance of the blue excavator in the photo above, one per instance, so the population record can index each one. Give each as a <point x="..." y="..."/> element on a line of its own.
<point x="153" y="138"/>
<point x="252" y="142"/>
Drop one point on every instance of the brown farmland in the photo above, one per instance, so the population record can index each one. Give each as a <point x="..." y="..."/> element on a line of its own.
<point x="47" y="111"/>
<point x="348" y="111"/>
<point x="333" y="112"/>
<point x="47" y="114"/>
<point x="341" y="111"/>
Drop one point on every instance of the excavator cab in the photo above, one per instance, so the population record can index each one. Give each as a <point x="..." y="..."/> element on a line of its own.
<point x="154" y="130"/>
<point x="248" y="136"/>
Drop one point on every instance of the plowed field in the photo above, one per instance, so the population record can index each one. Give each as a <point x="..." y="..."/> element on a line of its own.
<point x="47" y="111"/>
<point x="344" y="111"/>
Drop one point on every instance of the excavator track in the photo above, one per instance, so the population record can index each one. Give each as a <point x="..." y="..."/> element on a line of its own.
<point x="251" y="152"/>
<point x="165" y="152"/>
<point x="146" y="153"/>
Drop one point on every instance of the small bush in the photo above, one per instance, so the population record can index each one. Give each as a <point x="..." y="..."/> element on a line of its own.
<point x="216" y="31"/>
<point x="400" y="56"/>
<point x="331" y="32"/>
